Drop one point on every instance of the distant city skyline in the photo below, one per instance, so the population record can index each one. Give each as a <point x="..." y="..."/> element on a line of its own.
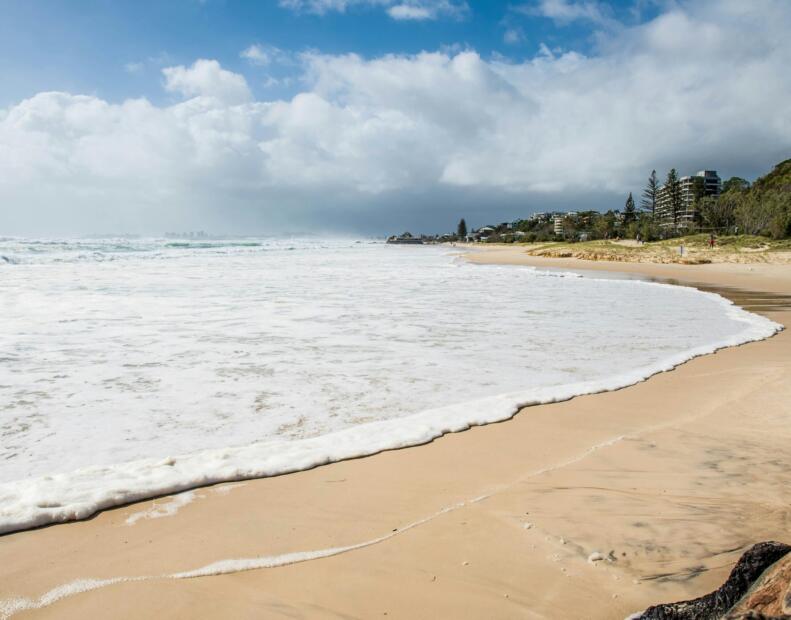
<point x="374" y="116"/>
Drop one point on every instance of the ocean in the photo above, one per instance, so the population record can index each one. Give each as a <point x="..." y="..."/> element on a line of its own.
<point x="135" y="368"/>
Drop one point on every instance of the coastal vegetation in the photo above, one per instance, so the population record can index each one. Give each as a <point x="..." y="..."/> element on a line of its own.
<point x="461" y="230"/>
<point x="761" y="210"/>
<point x="650" y="195"/>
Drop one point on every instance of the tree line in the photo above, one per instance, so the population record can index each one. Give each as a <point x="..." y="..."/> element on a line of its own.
<point x="762" y="208"/>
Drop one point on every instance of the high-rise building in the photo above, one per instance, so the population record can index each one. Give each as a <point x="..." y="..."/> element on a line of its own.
<point x="703" y="183"/>
<point x="557" y="224"/>
<point x="558" y="219"/>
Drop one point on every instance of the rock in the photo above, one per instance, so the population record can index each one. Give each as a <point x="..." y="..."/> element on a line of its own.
<point x="595" y="557"/>
<point x="729" y="597"/>
<point x="770" y="596"/>
<point x="756" y="615"/>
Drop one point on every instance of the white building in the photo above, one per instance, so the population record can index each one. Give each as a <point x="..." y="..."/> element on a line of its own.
<point x="557" y="223"/>
<point x="702" y="183"/>
<point x="558" y="219"/>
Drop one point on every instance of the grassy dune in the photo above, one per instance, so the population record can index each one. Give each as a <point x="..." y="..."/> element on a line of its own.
<point x="731" y="249"/>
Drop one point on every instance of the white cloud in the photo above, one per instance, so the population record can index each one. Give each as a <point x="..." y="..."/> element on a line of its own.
<point x="566" y="11"/>
<point x="427" y="9"/>
<point x="513" y="36"/>
<point x="207" y="78"/>
<point x="262" y="55"/>
<point x="317" y="6"/>
<point x="396" y="9"/>
<point x="409" y="11"/>
<point x="257" y="55"/>
<point x="687" y="89"/>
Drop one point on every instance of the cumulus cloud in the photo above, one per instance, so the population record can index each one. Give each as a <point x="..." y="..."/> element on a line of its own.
<point x="397" y="9"/>
<point x="207" y="78"/>
<point x="366" y="140"/>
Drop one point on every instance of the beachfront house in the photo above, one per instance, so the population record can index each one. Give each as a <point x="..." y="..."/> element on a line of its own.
<point x="482" y="234"/>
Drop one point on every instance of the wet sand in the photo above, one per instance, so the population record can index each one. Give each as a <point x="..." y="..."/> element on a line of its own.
<point x="668" y="480"/>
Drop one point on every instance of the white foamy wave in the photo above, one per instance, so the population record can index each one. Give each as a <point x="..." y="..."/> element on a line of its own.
<point x="264" y="360"/>
<point x="164" y="509"/>
<point x="79" y="494"/>
<point x="11" y="607"/>
<point x="18" y="251"/>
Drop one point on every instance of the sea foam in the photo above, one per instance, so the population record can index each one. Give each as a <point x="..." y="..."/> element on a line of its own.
<point x="168" y="369"/>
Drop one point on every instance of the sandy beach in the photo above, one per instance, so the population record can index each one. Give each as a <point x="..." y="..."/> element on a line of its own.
<point x="592" y="508"/>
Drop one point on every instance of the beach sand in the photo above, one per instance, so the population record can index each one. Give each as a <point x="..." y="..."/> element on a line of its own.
<point x="668" y="481"/>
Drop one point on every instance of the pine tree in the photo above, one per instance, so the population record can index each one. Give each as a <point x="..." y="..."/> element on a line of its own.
<point x="673" y="187"/>
<point x="650" y="192"/>
<point x="461" y="231"/>
<point x="629" y="213"/>
<point x="735" y="184"/>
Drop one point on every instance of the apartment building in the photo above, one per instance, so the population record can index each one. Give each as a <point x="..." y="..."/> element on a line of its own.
<point x="703" y="183"/>
<point x="557" y="221"/>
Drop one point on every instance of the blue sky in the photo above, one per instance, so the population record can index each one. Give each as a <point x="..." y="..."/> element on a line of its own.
<point x="84" y="45"/>
<point x="374" y="116"/>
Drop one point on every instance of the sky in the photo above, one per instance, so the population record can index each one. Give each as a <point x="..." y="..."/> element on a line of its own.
<point x="374" y="116"/>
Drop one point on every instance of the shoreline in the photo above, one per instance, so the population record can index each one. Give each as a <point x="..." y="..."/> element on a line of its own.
<point x="40" y="502"/>
<point x="351" y="502"/>
<point x="773" y="278"/>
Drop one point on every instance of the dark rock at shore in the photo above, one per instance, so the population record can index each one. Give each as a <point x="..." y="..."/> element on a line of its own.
<point x="768" y="597"/>
<point x="756" y="615"/>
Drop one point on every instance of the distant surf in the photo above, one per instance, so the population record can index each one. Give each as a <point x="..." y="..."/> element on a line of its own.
<point x="157" y="369"/>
